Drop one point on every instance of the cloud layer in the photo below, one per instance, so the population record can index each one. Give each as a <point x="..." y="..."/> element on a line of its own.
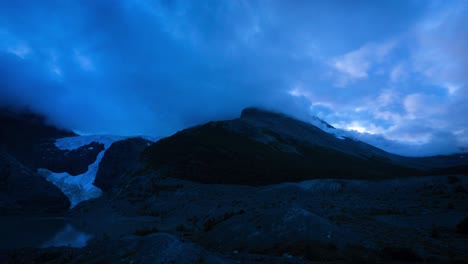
<point x="155" y="67"/>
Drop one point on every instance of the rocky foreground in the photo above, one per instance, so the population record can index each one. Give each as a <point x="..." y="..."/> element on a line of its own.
<point x="264" y="188"/>
<point x="165" y="220"/>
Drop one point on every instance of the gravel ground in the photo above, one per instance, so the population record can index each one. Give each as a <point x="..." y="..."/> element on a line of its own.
<point x="410" y="219"/>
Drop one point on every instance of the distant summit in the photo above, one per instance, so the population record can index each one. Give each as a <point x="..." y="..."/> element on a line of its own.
<point x="264" y="147"/>
<point x="255" y="112"/>
<point x="259" y="113"/>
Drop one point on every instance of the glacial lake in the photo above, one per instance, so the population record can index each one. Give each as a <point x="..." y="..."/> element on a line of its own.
<point x="19" y="232"/>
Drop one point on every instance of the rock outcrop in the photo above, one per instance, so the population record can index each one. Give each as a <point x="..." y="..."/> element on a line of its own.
<point x="123" y="158"/>
<point x="22" y="191"/>
<point x="74" y="162"/>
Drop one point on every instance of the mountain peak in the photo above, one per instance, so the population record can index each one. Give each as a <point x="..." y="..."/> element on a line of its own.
<point x="259" y="113"/>
<point x="264" y="147"/>
<point x="255" y="112"/>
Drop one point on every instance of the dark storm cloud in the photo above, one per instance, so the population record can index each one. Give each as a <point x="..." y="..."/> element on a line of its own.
<point x="154" y="67"/>
<point x="143" y="68"/>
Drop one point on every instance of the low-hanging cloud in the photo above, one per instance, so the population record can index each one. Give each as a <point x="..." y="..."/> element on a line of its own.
<point x="155" y="67"/>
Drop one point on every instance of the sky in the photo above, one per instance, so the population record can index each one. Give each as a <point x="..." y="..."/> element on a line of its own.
<point x="392" y="73"/>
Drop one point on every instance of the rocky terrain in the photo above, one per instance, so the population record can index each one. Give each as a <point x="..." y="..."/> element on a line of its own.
<point x="263" y="188"/>
<point x="121" y="160"/>
<point x="167" y="220"/>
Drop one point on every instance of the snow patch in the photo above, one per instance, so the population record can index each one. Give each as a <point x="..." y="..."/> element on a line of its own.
<point x="338" y="133"/>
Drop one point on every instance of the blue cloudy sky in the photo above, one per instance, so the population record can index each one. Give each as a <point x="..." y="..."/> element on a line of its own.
<point x="394" y="73"/>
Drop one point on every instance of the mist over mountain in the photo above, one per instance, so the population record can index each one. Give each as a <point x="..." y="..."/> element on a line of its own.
<point x="156" y="67"/>
<point x="236" y="131"/>
<point x="301" y="188"/>
<point x="262" y="147"/>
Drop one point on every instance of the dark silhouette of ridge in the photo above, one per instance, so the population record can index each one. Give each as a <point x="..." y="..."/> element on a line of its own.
<point x="264" y="147"/>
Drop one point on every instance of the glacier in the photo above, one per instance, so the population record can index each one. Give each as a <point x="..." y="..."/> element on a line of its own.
<point x="79" y="188"/>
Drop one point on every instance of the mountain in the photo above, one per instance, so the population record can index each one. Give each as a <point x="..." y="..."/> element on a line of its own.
<point x="31" y="140"/>
<point x="120" y="160"/>
<point x="263" y="147"/>
<point x="27" y="144"/>
<point x="118" y="207"/>
<point x="21" y="130"/>
<point x="63" y="159"/>
<point x="22" y="191"/>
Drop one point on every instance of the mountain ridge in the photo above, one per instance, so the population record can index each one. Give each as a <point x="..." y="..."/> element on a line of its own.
<point x="263" y="147"/>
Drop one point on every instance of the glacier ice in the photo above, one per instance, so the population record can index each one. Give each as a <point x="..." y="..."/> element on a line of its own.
<point x="79" y="188"/>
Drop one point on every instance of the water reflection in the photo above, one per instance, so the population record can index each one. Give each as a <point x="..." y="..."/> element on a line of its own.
<point x="21" y="232"/>
<point x="68" y="237"/>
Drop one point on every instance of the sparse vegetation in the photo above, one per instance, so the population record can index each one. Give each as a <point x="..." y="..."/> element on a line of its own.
<point x="435" y="232"/>
<point x="462" y="227"/>
<point x="193" y="219"/>
<point x="48" y="256"/>
<point x="144" y="232"/>
<point x="460" y="189"/>
<point x="340" y="218"/>
<point x="212" y="221"/>
<point x="181" y="228"/>
<point x="400" y="254"/>
<point x="453" y="179"/>
<point x="309" y="249"/>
